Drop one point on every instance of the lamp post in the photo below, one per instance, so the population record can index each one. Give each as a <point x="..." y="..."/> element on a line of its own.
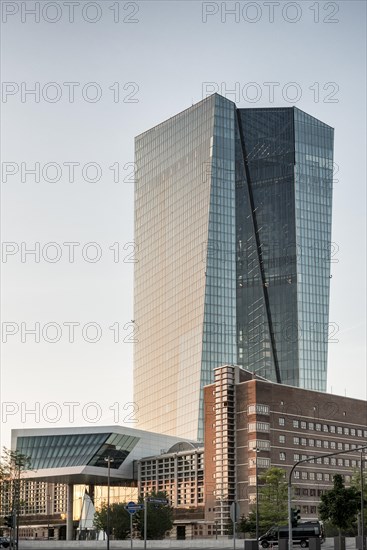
<point x="310" y="459"/>
<point x="108" y="459"/>
<point x="257" y="450"/>
<point x="362" y="503"/>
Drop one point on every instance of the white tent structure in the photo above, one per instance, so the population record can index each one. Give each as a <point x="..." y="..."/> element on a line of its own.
<point x="86" y="529"/>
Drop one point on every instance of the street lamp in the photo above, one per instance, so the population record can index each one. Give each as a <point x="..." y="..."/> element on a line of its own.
<point x="362" y="503"/>
<point x="310" y="459"/>
<point x="257" y="450"/>
<point x="108" y="459"/>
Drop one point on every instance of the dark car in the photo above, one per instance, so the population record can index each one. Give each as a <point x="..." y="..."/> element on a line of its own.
<point x="4" y="542"/>
<point x="301" y="534"/>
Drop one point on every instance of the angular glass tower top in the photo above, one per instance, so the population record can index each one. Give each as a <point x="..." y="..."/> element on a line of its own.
<point x="233" y="228"/>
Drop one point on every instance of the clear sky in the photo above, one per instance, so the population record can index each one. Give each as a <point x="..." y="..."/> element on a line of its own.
<point x="101" y="73"/>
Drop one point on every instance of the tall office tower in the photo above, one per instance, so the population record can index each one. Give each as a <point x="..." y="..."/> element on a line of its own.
<point x="233" y="229"/>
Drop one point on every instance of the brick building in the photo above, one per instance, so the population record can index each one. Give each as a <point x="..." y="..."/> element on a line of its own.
<point x="248" y="417"/>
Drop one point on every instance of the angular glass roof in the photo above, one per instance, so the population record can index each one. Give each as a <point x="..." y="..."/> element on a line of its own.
<point x="61" y="451"/>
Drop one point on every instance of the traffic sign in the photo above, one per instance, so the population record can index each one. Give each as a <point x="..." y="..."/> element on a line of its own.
<point x="235" y="512"/>
<point x="132" y="507"/>
<point x="154" y="500"/>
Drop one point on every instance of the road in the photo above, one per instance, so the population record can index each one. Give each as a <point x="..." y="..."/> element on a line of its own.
<point x="208" y="544"/>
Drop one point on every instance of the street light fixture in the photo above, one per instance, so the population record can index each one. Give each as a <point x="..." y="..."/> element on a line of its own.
<point x="362" y="502"/>
<point x="310" y="459"/>
<point x="108" y="459"/>
<point x="257" y="450"/>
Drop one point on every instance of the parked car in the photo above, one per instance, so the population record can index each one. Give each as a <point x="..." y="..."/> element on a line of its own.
<point x="4" y="542"/>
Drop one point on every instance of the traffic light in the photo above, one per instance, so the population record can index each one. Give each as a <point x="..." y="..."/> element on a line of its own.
<point x="296" y="516"/>
<point x="8" y="521"/>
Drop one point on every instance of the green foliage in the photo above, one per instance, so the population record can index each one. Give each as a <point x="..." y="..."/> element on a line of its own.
<point x="12" y="466"/>
<point x="340" y="505"/>
<point x="160" y="518"/>
<point x="119" y="520"/>
<point x="248" y="525"/>
<point x="273" y="503"/>
<point x="356" y="482"/>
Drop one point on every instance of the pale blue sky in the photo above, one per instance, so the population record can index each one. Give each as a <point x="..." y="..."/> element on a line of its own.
<point x="169" y="53"/>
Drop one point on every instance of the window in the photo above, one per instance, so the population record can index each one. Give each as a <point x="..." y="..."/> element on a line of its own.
<point x="326" y="444"/>
<point x="340" y="462"/>
<point x="333" y="461"/>
<point x="332" y="429"/>
<point x="332" y="445"/>
<point x="318" y="442"/>
<point x="296" y="440"/>
<point x="304" y="509"/>
<point x="303" y="441"/>
<point x="252" y="480"/>
<point x="311" y="476"/>
<point x="304" y="475"/>
<point x="313" y="491"/>
<point x="346" y="462"/>
<point x="281" y="456"/>
<point x="296" y="457"/>
<point x="282" y="439"/>
<point x="263" y="444"/>
<point x="326" y="460"/>
<point x="303" y="425"/>
<point x="258" y="427"/>
<point x="258" y="408"/>
<point x="311" y="442"/>
<point x="319" y="476"/>
<point x="326" y="477"/>
<point x="352" y="431"/>
<point x="359" y="433"/>
<point x="340" y="446"/>
<point x="281" y="421"/>
<point x="346" y="431"/>
<point x="346" y="446"/>
<point x="295" y="424"/>
<point x="318" y="427"/>
<point x="311" y="426"/>
<point x="325" y="428"/>
<point x="296" y="474"/>
<point x="312" y="509"/>
<point x="297" y="491"/>
<point x="305" y="492"/>
<point x="339" y="430"/>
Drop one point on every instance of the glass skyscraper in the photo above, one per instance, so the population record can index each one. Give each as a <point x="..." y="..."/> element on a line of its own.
<point x="233" y="232"/>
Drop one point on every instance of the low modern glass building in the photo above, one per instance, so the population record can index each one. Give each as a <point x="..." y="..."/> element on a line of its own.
<point x="233" y="233"/>
<point x="63" y="458"/>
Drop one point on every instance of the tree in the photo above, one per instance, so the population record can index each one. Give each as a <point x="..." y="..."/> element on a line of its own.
<point x="273" y="502"/>
<point x="340" y="505"/>
<point x="160" y="518"/>
<point x="119" y="520"/>
<point x="12" y="466"/>
<point x="356" y="482"/>
<point x="248" y="525"/>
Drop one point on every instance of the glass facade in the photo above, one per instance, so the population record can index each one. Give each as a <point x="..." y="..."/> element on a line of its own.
<point x="61" y="451"/>
<point x="227" y="204"/>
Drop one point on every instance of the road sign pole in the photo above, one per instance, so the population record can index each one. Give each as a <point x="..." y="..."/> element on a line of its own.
<point x="145" y="521"/>
<point x="131" y="530"/>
